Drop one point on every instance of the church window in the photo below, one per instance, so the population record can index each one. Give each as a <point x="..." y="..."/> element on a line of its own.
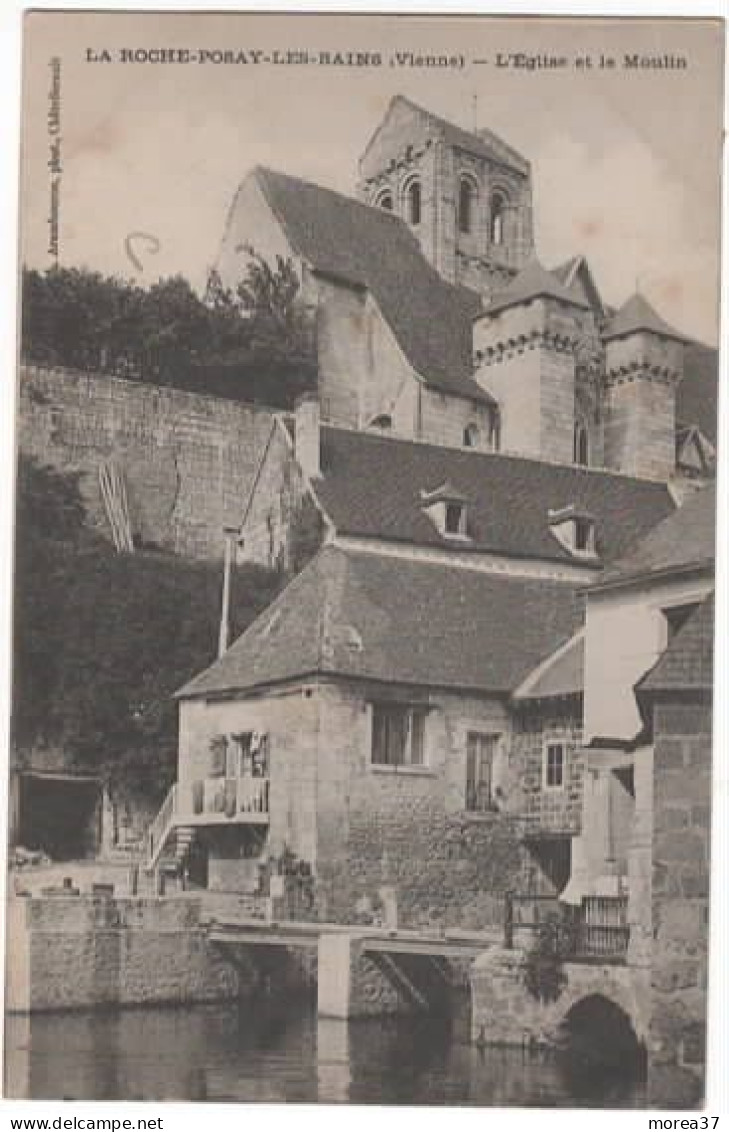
<point x="494" y="428"/>
<point x="470" y="436"/>
<point x="384" y="200"/>
<point x="581" y="444"/>
<point x="496" y="227"/>
<point x="466" y="201"/>
<point x="413" y="202"/>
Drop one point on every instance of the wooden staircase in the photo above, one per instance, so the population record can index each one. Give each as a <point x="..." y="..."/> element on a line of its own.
<point x="168" y="839"/>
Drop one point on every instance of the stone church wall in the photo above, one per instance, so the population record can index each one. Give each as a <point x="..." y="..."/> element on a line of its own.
<point x="188" y="460"/>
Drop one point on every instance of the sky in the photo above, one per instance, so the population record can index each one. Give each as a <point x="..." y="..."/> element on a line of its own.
<point x="625" y="162"/>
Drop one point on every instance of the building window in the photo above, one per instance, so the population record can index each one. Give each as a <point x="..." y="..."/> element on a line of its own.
<point x="413" y="203"/>
<point x="581" y="445"/>
<point x="494" y="428"/>
<point x="554" y="766"/>
<point x="480" y="754"/>
<point x="384" y="200"/>
<point x="470" y="436"/>
<point x="455" y="519"/>
<point x="496" y="226"/>
<point x="397" y="735"/>
<point x="466" y="200"/>
<point x="583" y="535"/>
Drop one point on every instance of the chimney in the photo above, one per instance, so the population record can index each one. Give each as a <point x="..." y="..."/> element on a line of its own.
<point x="306" y="433"/>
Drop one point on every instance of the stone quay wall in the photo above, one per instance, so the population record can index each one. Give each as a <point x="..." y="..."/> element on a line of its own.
<point x="80" y="952"/>
<point x="188" y="460"/>
<point x="505" y="1013"/>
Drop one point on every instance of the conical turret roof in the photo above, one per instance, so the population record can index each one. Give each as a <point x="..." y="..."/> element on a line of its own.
<point x="638" y="315"/>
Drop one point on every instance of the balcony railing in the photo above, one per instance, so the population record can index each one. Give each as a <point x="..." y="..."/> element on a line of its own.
<point x="224" y="799"/>
<point x="597" y="930"/>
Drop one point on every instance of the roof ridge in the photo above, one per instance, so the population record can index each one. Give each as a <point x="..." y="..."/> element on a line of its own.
<point x="517" y="457"/>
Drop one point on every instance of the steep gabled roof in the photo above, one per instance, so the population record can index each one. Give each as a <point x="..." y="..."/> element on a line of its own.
<point x="371" y="248"/>
<point x="688" y="662"/>
<point x="367" y="616"/>
<point x="576" y="275"/>
<point x="481" y="143"/>
<point x="534" y="282"/>
<point x="635" y="315"/>
<point x="685" y="540"/>
<point x="371" y="486"/>
<point x="561" y="674"/>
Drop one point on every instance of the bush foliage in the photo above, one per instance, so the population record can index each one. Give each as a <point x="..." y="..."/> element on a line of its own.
<point x="102" y="640"/>
<point x="253" y="342"/>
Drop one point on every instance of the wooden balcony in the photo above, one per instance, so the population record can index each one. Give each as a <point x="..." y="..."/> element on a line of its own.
<point x="596" y="931"/>
<point x="223" y="801"/>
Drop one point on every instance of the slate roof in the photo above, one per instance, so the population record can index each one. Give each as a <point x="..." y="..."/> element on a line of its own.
<point x="688" y="662"/>
<point x="377" y="617"/>
<point x="370" y="247"/>
<point x="697" y="393"/>
<point x="560" y="675"/>
<point x="371" y="486"/>
<point x="684" y="540"/>
<point x="635" y="315"/>
<point x="532" y="282"/>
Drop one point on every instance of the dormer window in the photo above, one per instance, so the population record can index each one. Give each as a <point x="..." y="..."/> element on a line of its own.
<point x="455" y="519"/>
<point x="447" y="510"/>
<point x="575" y="529"/>
<point x="470" y="436"/>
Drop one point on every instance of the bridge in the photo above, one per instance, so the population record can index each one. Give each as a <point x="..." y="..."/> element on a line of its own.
<point x="367" y="969"/>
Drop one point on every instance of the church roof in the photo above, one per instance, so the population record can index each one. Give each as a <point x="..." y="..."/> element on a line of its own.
<point x="534" y="282"/>
<point x="684" y="540"/>
<point x="371" y="486"/>
<point x="635" y="315"/>
<point x="481" y="142"/>
<point x="371" y="248"/>
<point x="688" y="662"/>
<point x="359" y="615"/>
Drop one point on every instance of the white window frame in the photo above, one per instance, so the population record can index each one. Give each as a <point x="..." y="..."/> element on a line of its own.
<point x="496" y="739"/>
<point x="546" y="785"/>
<point x="408" y="766"/>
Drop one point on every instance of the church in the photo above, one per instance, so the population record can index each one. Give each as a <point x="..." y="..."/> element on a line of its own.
<point x="488" y="448"/>
<point x="435" y="321"/>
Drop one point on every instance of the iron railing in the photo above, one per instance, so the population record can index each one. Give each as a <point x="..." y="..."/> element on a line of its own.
<point x="596" y="930"/>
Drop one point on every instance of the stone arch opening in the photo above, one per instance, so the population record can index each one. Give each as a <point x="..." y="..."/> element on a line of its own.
<point x="413" y="202"/>
<point x="467" y="201"/>
<point x="497" y="218"/>
<point x="599" y="1050"/>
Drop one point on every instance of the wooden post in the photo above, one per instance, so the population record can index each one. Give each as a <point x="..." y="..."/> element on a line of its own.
<point x="509" y="921"/>
<point x="230" y="534"/>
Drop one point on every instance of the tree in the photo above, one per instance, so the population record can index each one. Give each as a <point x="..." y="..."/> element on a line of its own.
<point x="251" y="343"/>
<point x="103" y="640"/>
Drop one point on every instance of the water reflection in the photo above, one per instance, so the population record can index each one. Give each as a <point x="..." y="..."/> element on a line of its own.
<point x="279" y="1052"/>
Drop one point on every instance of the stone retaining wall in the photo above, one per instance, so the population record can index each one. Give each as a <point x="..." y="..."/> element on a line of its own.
<point x="69" y="952"/>
<point x="188" y="460"/>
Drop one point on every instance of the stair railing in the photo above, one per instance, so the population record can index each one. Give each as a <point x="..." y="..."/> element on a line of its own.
<point x="161" y="827"/>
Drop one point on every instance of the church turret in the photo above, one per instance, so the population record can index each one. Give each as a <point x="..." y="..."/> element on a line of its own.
<point x="525" y="356"/>
<point x="643" y="365"/>
<point x="465" y="195"/>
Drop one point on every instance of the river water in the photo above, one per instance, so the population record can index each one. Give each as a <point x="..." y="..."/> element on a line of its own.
<point x="276" y="1052"/>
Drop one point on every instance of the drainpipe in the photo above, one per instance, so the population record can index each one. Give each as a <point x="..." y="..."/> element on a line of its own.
<point x="231" y="535"/>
